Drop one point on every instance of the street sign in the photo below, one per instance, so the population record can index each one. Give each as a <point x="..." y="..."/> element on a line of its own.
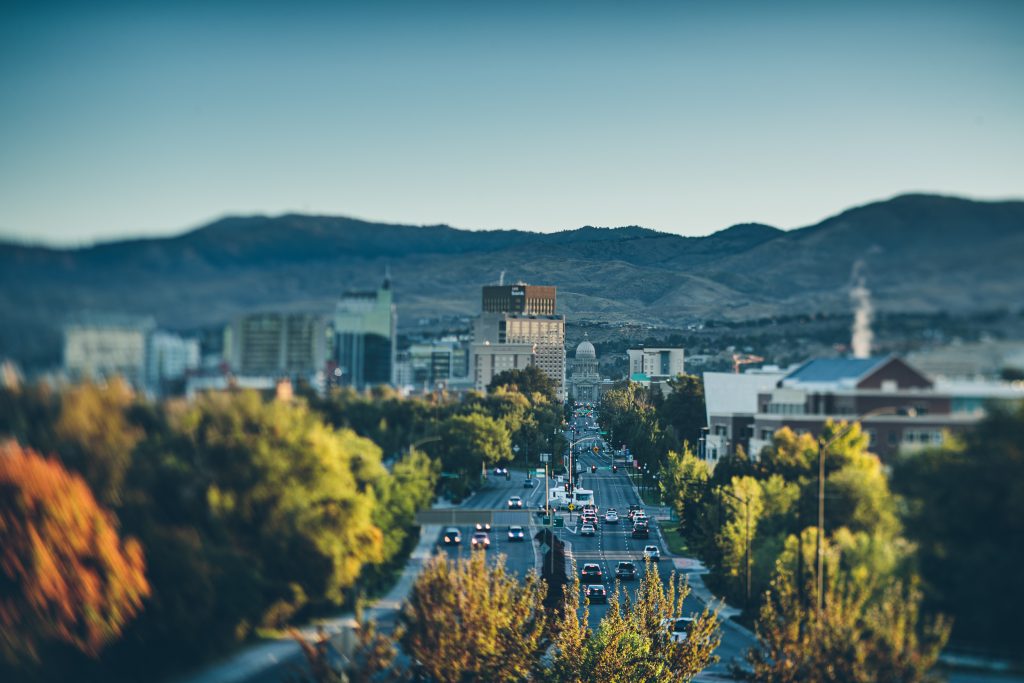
<point x="571" y="507"/>
<point x="559" y="522"/>
<point x="539" y="471"/>
<point x="545" y="457"/>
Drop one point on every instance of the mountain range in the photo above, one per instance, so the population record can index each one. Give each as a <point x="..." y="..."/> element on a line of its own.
<point x="914" y="252"/>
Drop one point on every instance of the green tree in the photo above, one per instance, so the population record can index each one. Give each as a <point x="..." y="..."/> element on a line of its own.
<point x="96" y="436"/>
<point x="869" y="630"/>
<point x="467" y="620"/>
<point x="527" y="381"/>
<point x="684" y="482"/>
<point x="632" y="641"/>
<point x="965" y="511"/>
<point x="683" y="409"/>
<point x="468" y="444"/>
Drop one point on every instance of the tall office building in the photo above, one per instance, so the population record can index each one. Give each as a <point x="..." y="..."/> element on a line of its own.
<point x="104" y="345"/>
<point x="519" y="298"/>
<point x="277" y="343"/>
<point x="523" y="316"/>
<point x="365" y="324"/>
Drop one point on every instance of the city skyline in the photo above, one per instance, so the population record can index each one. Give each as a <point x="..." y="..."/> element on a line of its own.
<point x="684" y="118"/>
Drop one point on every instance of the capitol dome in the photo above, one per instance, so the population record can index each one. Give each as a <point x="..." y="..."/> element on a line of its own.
<point x="585" y="350"/>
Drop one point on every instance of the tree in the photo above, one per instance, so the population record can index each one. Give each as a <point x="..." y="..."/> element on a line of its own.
<point x="65" y="574"/>
<point x="96" y="437"/>
<point x="683" y="409"/>
<point x="869" y="630"/>
<point x="468" y="444"/>
<point x="683" y="484"/>
<point x="296" y="496"/>
<point x="527" y="381"/>
<point x="965" y="511"/>
<point x="466" y="620"/>
<point x="632" y="642"/>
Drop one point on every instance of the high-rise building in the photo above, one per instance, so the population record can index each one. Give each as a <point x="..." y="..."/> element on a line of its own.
<point x="512" y="315"/>
<point x="278" y="343"/>
<point x="655" y="366"/>
<point x="168" y="357"/>
<point x="490" y="359"/>
<point x="519" y="298"/>
<point x="104" y="345"/>
<point x="365" y="338"/>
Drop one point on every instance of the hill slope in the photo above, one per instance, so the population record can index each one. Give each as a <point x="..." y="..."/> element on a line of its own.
<point x="918" y="252"/>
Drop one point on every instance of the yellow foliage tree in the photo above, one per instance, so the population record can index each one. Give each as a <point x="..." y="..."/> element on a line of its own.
<point x="64" y="572"/>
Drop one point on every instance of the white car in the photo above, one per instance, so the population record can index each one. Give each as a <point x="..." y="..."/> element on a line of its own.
<point x="652" y="553"/>
<point x="678" y="629"/>
<point x="587" y="530"/>
<point x="611" y="517"/>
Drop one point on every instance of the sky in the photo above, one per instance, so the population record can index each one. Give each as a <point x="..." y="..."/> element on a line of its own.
<point x="140" y="119"/>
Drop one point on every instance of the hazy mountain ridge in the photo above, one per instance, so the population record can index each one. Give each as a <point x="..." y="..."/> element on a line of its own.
<point x="919" y="252"/>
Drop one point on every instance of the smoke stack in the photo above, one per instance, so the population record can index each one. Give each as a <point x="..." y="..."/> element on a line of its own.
<point x="860" y="296"/>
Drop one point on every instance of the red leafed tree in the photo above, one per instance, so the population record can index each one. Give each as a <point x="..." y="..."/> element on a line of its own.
<point x="64" y="572"/>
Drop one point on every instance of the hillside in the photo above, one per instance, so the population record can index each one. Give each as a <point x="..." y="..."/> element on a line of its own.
<point x="919" y="253"/>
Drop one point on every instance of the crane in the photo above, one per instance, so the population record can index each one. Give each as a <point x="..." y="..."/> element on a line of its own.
<point x="739" y="359"/>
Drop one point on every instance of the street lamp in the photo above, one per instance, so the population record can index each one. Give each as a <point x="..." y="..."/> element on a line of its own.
<point x="823" y="447"/>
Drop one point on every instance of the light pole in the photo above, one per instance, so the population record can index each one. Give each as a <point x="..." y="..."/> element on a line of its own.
<point x="746" y="510"/>
<point x="823" y="447"/>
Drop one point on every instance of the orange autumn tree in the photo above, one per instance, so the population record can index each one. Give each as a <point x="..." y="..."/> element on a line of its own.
<point x="64" y="572"/>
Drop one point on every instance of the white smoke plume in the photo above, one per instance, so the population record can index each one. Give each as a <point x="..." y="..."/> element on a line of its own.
<point x="860" y="296"/>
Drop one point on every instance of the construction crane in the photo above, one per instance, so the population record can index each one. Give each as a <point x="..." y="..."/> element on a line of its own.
<point x="739" y="359"/>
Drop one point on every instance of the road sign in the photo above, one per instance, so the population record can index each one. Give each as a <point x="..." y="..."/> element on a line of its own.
<point x="539" y="471"/>
<point x="571" y="507"/>
<point x="559" y="522"/>
<point x="545" y="457"/>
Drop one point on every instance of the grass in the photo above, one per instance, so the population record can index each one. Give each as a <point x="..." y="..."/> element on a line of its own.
<point x="674" y="540"/>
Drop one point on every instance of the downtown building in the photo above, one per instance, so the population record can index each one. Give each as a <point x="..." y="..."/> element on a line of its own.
<point x="518" y="327"/>
<point x="365" y="338"/>
<point x="900" y="408"/>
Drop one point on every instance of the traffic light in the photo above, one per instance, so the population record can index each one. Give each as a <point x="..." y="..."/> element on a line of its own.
<point x="593" y="468"/>
<point x="615" y="468"/>
<point x="567" y="487"/>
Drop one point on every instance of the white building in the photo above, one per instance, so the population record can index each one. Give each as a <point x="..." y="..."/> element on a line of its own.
<point x="731" y="403"/>
<point x="488" y="360"/>
<point x="655" y="365"/>
<point x="103" y="345"/>
<point x="585" y="386"/>
<point x="168" y="357"/>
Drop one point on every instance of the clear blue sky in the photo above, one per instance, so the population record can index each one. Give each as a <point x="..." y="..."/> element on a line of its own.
<point x="148" y="118"/>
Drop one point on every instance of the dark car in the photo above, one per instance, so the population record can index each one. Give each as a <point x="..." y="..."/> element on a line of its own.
<point x="483" y="526"/>
<point x="516" y="533"/>
<point x="641" y="531"/>
<point x="596" y="593"/>
<point x="452" y="536"/>
<point x="626" y="571"/>
<point x="529" y="483"/>
<point x="515" y="503"/>
<point x="592" y="572"/>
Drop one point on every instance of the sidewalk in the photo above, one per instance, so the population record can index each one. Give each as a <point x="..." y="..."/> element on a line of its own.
<point x="260" y="658"/>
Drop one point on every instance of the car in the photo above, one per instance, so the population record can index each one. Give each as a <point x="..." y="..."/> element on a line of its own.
<point x="452" y="536"/>
<point x="611" y="517"/>
<point x="483" y="526"/>
<point x="591" y="571"/>
<point x="640" y="518"/>
<point x="641" y="531"/>
<point x="589" y="508"/>
<point x="529" y="483"/>
<point x="501" y="471"/>
<point x="652" y="553"/>
<point x="626" y="571"/>
<point x="678" y="629"/>
<point x="596" y="593"/>
<point x="480" y="540"/>
<point x="515" y="503"/>
<point x="633" y="509"/>
<point x="587" y="530"/>
<point x="516" y="533"/>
